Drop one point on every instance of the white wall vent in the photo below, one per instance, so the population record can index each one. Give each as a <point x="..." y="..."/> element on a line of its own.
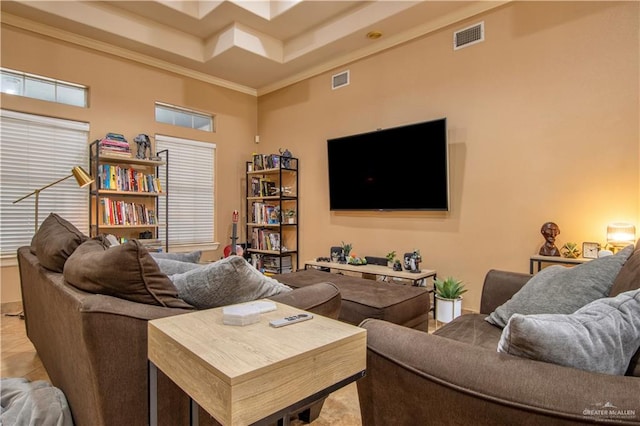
<point x="468" y="36"/>
<point x="340" y="80"/>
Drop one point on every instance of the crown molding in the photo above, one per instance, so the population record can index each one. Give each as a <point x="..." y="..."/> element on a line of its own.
<point x="46" y="30"/>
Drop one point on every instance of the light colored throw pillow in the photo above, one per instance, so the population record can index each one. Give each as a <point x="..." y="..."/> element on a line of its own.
<point x="225" y="282"/>
<point x="170" y="266"/>
<point x="192" y="257"/>
<point x="561" y="290"/>
<point x="600" y="337"/>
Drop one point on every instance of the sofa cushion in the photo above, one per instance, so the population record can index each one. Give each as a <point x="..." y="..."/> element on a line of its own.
<point x="473" y="330"/>
<point x="561" y="290"/>
<point x="192" y="257"/>
<point x="225" y="282"/>
<point x="55" y="241"/>
<point x="126" y="271"/>
<point x="629" y="276"/>
<point x="600" y="337"/>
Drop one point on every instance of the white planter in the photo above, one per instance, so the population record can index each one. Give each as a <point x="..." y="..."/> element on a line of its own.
<point x="448" y="309"/>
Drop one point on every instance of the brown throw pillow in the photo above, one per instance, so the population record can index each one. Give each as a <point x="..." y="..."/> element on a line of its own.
<point x="126" y="271"/>
<point x="55" y="241"/>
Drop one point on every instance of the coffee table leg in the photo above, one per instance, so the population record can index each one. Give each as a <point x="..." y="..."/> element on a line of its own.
<point x="194" y="413"/>
<point x="153" y="394"/>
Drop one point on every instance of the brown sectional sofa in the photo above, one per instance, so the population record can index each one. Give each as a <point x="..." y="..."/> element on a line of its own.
<point x="456" y="376"/>
<point x="94" y="347"/>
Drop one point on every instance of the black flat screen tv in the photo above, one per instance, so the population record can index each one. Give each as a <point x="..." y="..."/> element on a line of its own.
<point x="400" y="168"/>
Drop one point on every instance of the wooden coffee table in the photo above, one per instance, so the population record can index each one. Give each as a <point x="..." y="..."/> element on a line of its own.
<point x="255" y="373"/>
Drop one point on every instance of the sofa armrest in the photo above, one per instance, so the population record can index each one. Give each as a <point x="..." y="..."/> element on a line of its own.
<point x="500" y="286"/>
<point x="321" y="298"/>
<point x="419" y="378"/>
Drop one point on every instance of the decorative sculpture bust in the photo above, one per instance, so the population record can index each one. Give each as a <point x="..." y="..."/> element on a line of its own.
<point x="549" y="231"/>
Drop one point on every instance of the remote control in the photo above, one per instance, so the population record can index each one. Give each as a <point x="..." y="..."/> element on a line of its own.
<point x="290" y="320"/>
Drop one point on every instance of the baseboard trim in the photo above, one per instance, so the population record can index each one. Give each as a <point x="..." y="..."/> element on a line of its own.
<point x="11" y="307"/>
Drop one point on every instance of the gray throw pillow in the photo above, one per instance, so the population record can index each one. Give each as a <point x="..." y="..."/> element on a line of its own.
<point x="600" y="337"/>
<point x="225" y="282"/>
<point x="561" y="290"/>
<point x="193" y="257"/>
<point x="170" y="266"/>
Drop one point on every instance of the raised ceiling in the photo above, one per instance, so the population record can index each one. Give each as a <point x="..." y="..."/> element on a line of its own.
<point x="251" y="46"/>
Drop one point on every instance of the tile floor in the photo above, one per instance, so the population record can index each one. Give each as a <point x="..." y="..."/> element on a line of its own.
<point x="18" y="358"/>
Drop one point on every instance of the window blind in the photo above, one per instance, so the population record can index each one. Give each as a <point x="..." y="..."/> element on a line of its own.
<point x="190" y="191"/>
<point x="36" y="151"/>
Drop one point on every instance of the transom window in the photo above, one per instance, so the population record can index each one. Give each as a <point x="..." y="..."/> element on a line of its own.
<point x="177" y="116"/>
<point x="43" y="88"/>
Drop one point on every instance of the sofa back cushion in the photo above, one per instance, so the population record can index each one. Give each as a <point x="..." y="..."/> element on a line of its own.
<point x="55" y="241"/>
<point x="629" y="276"/>
<point x="560" y="290"/>
<point x="126" y="271"/>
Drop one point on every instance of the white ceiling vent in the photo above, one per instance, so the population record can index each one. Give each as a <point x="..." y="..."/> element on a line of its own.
<point x="468" y="36"/>
<point x="340" y="80"/>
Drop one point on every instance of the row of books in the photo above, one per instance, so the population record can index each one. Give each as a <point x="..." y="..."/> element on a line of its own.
<point x="262" y="213"/>
<point x="120" y="178"/>
<point x="114" y="144"/>
<point x="263" y="187"/>
<point x="116" y="212"/>
<point x="265" y="239"/>
<point x="266" y="161"/>
<point x="272" y="264"/>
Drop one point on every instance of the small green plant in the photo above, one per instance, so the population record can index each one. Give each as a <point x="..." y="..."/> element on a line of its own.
<point x="390" y="256"/>
<point x="449" y="288"/>
<point x="346" y="248"/>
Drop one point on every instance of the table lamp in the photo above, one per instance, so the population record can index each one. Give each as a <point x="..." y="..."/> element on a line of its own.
<point x="620" y="235"/>
<point x="83" y="178"/>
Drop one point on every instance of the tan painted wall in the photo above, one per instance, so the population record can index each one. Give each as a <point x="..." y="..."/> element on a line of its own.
<point x="543" y="125"/>
<point x="122" y="96"/>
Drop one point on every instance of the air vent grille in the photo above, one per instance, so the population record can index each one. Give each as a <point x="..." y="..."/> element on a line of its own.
<point x="468" y="36"/>
<point x="340" y="80"/>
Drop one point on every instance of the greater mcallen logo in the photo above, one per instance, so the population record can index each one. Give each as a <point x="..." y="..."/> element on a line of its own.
<point x="608" y="410"/>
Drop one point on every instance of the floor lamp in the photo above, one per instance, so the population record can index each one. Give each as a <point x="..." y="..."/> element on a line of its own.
<point x="83" y="178"/>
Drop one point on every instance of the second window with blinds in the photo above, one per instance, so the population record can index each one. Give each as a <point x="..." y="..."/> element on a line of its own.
<point x="190" y="191"/>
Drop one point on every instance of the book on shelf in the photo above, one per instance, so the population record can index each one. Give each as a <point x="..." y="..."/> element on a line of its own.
<point x="117" y="212"/>
<point x="266" y="161"/>
<point x="265" y="239"/>
<point x="118" y="178"/>
<point x="263" y="214"/>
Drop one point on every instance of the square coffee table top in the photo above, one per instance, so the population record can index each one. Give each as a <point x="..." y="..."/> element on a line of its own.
<point x="241" y="374"/>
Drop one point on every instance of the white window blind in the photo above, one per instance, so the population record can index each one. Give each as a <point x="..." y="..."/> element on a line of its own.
<point x="190" y="191"/>
<point x="36" y="151"/>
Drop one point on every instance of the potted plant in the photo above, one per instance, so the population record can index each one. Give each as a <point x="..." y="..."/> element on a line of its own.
<point x="390" y="258"/>
<point x="290" y="215"/>
<point x="346" y="251"/>
<point x="448" y="299"/>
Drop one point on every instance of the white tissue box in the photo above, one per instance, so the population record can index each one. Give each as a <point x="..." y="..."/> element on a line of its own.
<point x="247" y="313"/>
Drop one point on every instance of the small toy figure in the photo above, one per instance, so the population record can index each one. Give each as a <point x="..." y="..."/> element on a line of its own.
<point x="286" y="158"/>
<point x="144" y="145"/>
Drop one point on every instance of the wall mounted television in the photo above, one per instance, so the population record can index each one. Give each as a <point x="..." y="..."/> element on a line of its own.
<point x="399" y="168"/>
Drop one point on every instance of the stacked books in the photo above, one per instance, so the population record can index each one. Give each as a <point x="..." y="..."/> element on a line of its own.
<point x="277" y="264"/>
<point x="114" y="144"/>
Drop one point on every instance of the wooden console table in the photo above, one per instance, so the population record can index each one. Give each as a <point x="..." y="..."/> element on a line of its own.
<point x="254" y="374"/>
<point x="539" y="260"/>
<point x="377" y="270"/>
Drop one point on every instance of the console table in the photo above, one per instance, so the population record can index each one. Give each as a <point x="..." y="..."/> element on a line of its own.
<point x="377" y="270"/>
<point x="253" y="374"/>
<point x="539" y="260"/>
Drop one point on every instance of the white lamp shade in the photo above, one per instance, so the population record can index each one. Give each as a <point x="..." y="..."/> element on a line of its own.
<point x="621" y="233"/>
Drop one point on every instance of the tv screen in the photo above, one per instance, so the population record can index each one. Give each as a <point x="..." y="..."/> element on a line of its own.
<point x="401" y="168"/>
